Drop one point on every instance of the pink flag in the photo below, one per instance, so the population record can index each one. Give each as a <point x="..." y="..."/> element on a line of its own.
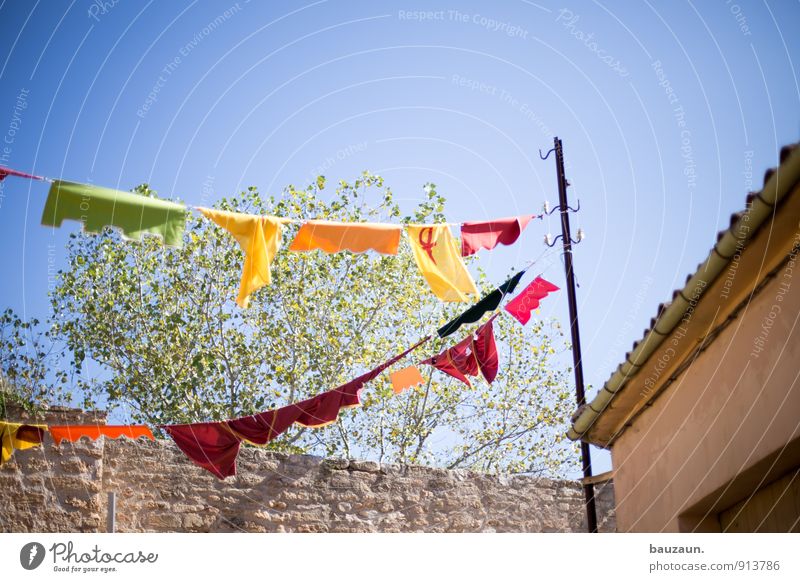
<point x="9" y="172"/>
<point x="521" y="306"/>
<point x="487" y="234"/>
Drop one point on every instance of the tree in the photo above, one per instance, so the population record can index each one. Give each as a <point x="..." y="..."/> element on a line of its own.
<point x="154" y="332"/>
<point x="30" y="373"/>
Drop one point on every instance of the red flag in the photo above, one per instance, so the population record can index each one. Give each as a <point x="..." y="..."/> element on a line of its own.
<point x="487" y="234"/>
<point x="475" y="354"/>
<point x="9" y="172"/>
<point x="521" y="306"/>
<point x="211" y="445"/>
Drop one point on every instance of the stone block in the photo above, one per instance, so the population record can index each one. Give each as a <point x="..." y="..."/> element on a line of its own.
<point x="365" y="466"/>
<point x="336" y="464"/>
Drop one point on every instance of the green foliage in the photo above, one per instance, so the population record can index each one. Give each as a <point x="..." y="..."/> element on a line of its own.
<point x="156" y="331"/>
<point x="26" y="359"/>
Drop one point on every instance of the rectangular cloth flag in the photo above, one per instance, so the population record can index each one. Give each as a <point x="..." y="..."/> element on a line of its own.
<point x="260" y="238"/>
<point x="4" y="171"/>
<point x="521" y="306"/>
<point x="438" y="258"/>
<point x="97" y="207"/>
<point x="357" y="237"/>
<point x="74" y="432"/>
<point x="474" y="354"/>
<point x="210" y="445"/>
<point x="405" y="378"/>
<point x="487" y="234"/>
<point x="488" y="303"/>
<point x="18" y="436"/>
<point x="215" y="445"/>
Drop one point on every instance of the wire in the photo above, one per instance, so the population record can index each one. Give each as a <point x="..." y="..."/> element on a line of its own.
<point x="304" y="220"/>
<point x="293" y="220"/>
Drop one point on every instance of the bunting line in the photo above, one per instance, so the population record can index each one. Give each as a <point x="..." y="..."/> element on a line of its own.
<point x="523" y="219"/>
<point x="215" y="445"/>
<point x="434" y="248"/>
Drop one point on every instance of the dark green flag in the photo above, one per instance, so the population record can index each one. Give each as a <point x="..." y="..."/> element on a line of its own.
<point x="488" y="303"/>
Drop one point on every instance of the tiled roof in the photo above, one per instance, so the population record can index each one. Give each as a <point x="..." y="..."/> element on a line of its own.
<point x="585" y="417"/>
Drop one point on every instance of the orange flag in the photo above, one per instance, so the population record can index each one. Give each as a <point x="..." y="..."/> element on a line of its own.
<point x="406" y="378"/>
<point x="357" y="237"/>
<point x="73" y="432"/>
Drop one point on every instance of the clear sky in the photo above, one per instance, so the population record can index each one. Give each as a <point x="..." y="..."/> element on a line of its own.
<point x="669" y="111"/>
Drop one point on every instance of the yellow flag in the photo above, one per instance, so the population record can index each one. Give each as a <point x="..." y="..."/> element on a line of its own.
<point x="438" y="256"/>
<point x="260" y="238"/>
<point x="16" y="436"/>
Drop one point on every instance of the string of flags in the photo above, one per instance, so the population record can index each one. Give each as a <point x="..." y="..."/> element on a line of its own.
<point x="214" y="446"/>
<point x="436" y="252"/>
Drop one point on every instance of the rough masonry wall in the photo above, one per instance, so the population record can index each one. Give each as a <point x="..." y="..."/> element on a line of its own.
<point x="64" y="489"/>
<point x="54" y="489"/>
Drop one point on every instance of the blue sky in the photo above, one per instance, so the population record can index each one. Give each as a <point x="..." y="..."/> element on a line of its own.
<point x="669" y="112"/>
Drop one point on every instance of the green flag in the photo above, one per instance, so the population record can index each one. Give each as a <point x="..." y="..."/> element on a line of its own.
<point x="97" y="207"/>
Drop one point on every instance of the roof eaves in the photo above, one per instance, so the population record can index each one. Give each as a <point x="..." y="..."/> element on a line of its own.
<point x="743" y="226"/>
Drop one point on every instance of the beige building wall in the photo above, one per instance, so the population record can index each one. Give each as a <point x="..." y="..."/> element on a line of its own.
<point x="731" y="413"/>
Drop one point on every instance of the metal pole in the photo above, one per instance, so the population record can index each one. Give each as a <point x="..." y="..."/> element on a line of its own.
<point x="111" y="518"/>
<point x="588" y="489"/>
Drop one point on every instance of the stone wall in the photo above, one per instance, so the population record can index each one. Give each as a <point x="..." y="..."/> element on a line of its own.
<point x="64" y="489"/>
<point x="54" y="489"/>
